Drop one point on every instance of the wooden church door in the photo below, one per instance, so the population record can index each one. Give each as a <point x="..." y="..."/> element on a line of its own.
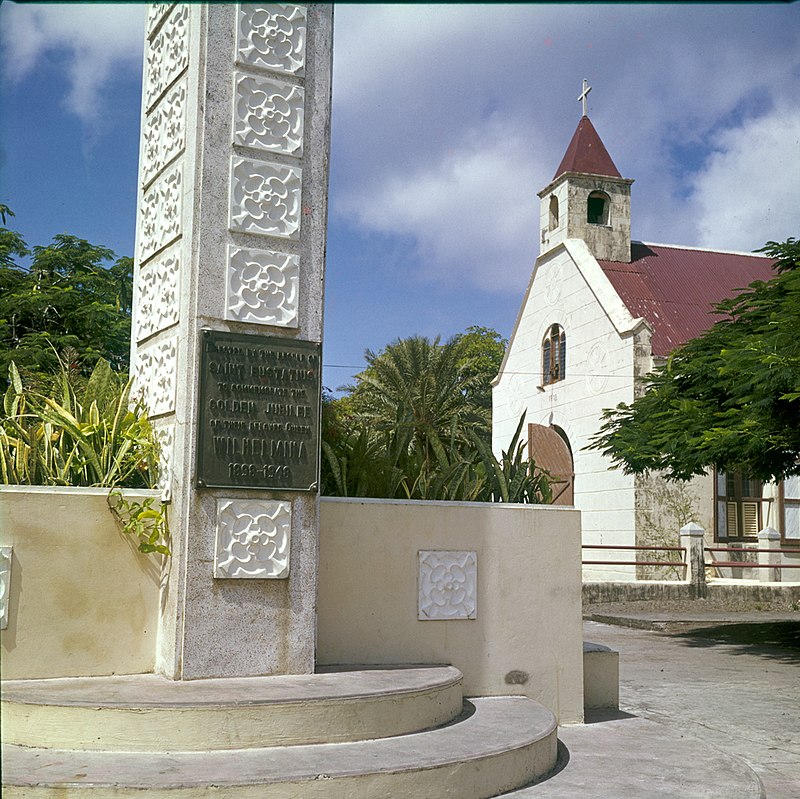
<point x="550" y="449"/>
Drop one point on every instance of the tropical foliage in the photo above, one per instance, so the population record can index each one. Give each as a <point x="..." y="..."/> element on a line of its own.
<point x="72" y="294"/>
<point x="85" y="433"/>
<point x="728" y="399"/>
<point x="416" y="426"/>
<point x="79" y="436"/>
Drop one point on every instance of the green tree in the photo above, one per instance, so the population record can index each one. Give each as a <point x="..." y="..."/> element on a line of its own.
<point x="73" y="295"/>
<point x="421" y="387"/>
<point x="729" y="399"/>
<point x="482" y="354"/>
<point x="415" y="426"/>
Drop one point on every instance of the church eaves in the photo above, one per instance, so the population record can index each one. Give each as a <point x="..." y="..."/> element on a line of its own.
<point x="586" y="153"/>
<point x="676" y="288"/>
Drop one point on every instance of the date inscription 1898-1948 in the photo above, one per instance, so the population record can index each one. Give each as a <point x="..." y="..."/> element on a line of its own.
<point x="259" y="412"/>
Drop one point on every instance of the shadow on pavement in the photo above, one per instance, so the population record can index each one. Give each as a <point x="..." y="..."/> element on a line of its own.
<point x="599" y="715"/>
<point x="778" y="640"/>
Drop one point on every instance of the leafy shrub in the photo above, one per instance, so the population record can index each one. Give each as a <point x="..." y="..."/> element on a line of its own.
<point x="390" y="466"/>
<point x="84" y="434"/>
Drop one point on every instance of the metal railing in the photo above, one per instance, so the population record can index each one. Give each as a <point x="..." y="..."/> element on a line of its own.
<point x="749" y="564"/>
<point x="681" y="562"/>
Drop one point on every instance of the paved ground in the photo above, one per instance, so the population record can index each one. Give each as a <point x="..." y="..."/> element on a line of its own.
<point x="731" y="684"/>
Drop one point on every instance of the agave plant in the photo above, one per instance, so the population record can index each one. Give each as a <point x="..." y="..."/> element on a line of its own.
<point x="85" y="436"/>
<point x="77" y="437"/>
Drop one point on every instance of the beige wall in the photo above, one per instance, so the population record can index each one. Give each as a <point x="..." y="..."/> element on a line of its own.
<point x="82" y="600"/>
<point x="528" y="594"/>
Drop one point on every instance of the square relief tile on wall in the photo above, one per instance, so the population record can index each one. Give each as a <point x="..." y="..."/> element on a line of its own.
<point x="448" y="584"/>
<point x="253" y="539"/>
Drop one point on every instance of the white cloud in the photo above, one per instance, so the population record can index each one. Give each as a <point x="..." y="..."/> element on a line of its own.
<point x="412" y="82"/>
<point x="93" y="39"/>
<point x="473" y="213"/>
<point x="747" y="191"/>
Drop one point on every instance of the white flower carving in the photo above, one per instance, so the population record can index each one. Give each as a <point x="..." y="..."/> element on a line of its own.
<point x="167" y="54"/>
<point x="273" y="36"/>
<point x="156" y="370"/>
<point x="5" y="584"/>
<point x="262" y="287"/>
<point x="252" y="539"/>
<point x="269" y="115"/>
<point x="160" y="213"/>
<point x="265" y="198"/>
<point x="447" y="585"/>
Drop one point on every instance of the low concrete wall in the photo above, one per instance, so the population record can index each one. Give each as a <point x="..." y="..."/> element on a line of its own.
<point x="527" y="635"/>
<point x="82" y="600"/>
<point x="737" y="594"/>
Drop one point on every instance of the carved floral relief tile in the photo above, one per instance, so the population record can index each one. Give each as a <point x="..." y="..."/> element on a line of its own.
<point x="448" y="585"/>
<point x="167" y="54"/>
<point x="597" y="368"/>
<point x="265" y="198"/>
<point x="158" y="307"/>
<point x="268" y="115"/>
<point x="5" y="584"/>
<point x="164" y="132"/>
<point x="262" y="287"/>
<point x="160" y="213"/>
<point x="253" y="538"/>
<point x="156" y="376"/>
<point x="165" y="433"/>
<point x="155" y="13"/>
<point x="272" y="36"/>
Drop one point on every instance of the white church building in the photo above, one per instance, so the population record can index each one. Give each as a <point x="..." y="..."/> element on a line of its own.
<point x="599" y="312"/>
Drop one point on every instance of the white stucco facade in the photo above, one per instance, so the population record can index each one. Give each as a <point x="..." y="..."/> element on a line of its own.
<point x="568" y="288"/>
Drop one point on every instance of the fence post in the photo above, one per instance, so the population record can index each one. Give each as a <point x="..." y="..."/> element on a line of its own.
<point x="692" y="541"/>
<point x="769" y="538"/>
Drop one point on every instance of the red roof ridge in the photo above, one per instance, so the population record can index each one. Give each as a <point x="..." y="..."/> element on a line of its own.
<point x="692" y="248"/>
<point x="587" y="154"/>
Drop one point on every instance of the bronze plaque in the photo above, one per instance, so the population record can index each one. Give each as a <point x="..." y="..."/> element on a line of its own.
<point x="259" y="412"/>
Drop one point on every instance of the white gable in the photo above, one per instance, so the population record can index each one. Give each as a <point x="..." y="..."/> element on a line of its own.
<point x="568" y="287"/>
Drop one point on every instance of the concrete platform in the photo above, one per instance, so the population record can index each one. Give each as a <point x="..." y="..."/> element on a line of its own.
<point x="142" y="712"/>
<point x="626" y="757"/>
<point x="500" y="744"/>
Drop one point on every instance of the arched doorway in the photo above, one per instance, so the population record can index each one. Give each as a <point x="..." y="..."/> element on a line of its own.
<point x="549" y="447"/>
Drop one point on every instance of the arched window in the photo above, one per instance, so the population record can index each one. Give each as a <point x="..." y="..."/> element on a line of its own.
<point x="553" y="212"/>
<point x="597" y="208"/>
<point x="554" y="355"/>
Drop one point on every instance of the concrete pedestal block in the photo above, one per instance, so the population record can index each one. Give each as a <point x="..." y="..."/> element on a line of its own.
<point x="600" y="676"/>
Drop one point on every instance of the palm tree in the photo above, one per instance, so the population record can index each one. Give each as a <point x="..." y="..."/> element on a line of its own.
<point x="422" y="388"/>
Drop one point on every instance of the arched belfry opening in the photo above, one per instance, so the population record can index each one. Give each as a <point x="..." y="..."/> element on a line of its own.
<point x="553" y="212"/>
<point x="597" y="208"/>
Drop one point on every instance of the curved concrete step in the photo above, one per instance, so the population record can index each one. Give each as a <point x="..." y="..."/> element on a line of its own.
<point x="146" y="712"/>
<point x="505" y="743"/>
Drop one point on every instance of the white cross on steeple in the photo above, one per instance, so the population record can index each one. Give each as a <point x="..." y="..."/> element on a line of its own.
<point x="582" y="96"/>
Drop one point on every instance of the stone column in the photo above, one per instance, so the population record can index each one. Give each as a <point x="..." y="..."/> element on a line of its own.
<point x="231" y="238"/>
<point x="692" y="540"/>
<point x="769" y="538"/>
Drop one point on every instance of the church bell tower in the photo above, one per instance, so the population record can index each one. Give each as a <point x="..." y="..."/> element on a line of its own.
<point x="588" y="198"/>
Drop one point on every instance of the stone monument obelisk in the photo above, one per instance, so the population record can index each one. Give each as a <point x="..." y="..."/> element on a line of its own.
<point x="227" y="327"/>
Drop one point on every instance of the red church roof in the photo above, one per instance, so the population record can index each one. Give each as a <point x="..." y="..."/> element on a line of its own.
<point x="674" y="288"/>
<point x="587" y="153"/>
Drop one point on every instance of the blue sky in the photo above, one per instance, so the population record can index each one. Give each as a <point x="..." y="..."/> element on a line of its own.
<point x="446" y="122"/>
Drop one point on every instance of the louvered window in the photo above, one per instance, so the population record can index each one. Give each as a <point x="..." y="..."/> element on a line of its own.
<point x="739" y="501"/>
